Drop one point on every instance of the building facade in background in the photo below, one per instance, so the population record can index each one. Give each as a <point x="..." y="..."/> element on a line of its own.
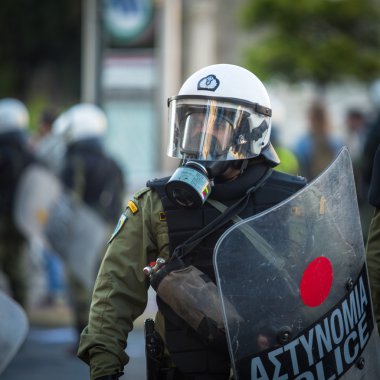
<point x="136" y="54"/>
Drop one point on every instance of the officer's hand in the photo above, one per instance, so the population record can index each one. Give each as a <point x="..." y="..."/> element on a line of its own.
<point x="374" y="189"/>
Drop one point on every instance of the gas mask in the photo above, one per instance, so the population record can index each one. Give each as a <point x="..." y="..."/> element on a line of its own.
<point x="191" y="184"/>
<point x="211" y="133"/>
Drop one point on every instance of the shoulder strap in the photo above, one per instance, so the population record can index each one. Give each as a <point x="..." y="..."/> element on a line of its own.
<point x="257" y="241"/>
<point x="252" y="236"/>
<point x="229" y="213"/>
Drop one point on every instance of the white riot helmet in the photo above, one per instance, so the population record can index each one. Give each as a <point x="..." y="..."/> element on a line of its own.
<point x="222" y="112"/>
<point x="14" y="116"/>
<point x="80" y="122"/>
<point x="220" y="118"/>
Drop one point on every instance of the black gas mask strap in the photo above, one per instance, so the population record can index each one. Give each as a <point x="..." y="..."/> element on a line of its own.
<point x="228" y="214"/>
<point x="261" y="245"/>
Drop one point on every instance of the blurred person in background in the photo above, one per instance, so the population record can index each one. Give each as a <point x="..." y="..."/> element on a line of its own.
<point x="288" y="160"/>
<point x="371" y="189"/>
<point x="15" y="157"/>
<point x="35" y="273"/>
<point x="87" y="169"/>
<point x="45" y="124"/>
<point x="373" y="242"/>
<point x="355" y="121"/>
<point x="372" y="138"/>
<point x="42" y="142"/>
<point x="355" y="125"/>
<point x="48" y="147"/>
<point x="318" y="147"/>
<point x="92" y="175"/>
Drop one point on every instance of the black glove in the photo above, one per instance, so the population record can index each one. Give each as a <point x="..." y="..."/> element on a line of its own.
<point x="374" y="189"/>
<point x="110" y="377"/>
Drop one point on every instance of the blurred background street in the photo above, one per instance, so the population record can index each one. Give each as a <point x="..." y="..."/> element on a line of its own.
<point x="50" y="347"/>
<point x="47" y="354"/>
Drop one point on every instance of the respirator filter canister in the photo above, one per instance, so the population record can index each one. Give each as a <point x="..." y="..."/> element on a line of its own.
<point x="189" y="186"/>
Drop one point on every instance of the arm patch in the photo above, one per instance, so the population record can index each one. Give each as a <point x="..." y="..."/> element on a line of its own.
<point x="133" y="207"/>
<point x="123" y="218"/>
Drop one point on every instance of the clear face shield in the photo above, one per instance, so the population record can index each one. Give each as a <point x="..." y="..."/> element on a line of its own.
<point x="216" y="130"/>
<point x="210" y="138"/>
<point x="208" y="134"/>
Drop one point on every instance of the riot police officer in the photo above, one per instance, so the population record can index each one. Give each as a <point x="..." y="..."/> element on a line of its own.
<point x="87" y="169"/>
<point x="15" y="156"/>
<point x="220" y="127"/>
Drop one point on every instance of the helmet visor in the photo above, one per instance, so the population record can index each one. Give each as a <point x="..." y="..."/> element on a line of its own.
<point x="215" y="130"/>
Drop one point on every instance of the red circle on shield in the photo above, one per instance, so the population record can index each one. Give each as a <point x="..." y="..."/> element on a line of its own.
<point x="316" y="282"/>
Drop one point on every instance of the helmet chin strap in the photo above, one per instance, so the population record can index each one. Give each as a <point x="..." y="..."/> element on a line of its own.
<point x="215" y="168"/>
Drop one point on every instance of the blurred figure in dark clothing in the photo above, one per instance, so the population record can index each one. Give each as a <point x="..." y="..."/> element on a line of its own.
<point x="288" y="160"/>
<point x="47" y="147"/>
<point x="356" y="128"/>
<point x="15" y="156"/>
<point x="87" y="170"/>
<point x="318" y="147"/>
<point x="372" y="139"/>
<point x="355" y="125"/>
<point x="373" y="241"/>
<point x="92" y="175"/>
<point x="46" y="121"/>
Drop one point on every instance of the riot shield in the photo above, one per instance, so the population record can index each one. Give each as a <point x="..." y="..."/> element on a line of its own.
<point x="13" y="329"/>
<point x="37" y="192"/>
<point x="48" y="213"/>
<point x="297" y="276"/>
<point x="79" y="235"/>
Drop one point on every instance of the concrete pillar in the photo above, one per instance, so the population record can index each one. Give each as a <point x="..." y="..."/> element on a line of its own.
<point x="170" y="52"/>
<point x="200" y="34"/>
<point x="90" y="62"/>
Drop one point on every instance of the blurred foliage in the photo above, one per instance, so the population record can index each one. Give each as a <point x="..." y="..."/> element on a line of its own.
<point x="37" y="105"/>
<point x="318" y="40"/>
<point x="35" y="34"/>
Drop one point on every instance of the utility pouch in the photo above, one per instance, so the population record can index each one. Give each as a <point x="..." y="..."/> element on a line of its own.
<point x="195" y="298"/>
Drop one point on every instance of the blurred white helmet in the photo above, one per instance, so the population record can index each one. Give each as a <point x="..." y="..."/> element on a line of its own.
<point x="222" y="112"/>
<point x="14" y="116"/>
<point x="80" y="122"/>
<point x="374" y="93"/>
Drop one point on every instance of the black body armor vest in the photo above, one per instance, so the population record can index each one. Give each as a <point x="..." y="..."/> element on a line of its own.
<point x="192" y="356"/>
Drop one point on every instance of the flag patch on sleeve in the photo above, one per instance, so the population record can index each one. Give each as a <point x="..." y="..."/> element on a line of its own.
<point x="119" y="225"/>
